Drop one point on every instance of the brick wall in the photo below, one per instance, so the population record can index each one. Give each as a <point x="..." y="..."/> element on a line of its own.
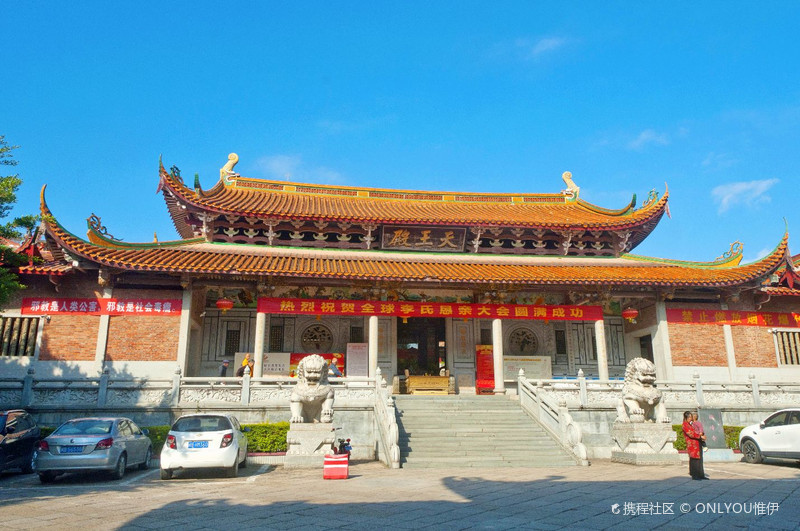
<point x="65" y="337"/>
<point x="69" y="338"/>
<point x="143" y="337"/>
<point x="754" y="346"/>
<point x="697" y="344"/>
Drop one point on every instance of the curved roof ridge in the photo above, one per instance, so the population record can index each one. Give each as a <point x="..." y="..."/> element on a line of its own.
<point x="96" y="233"/>
<point x="250" y="197"/>
<point x="724" y="262"/>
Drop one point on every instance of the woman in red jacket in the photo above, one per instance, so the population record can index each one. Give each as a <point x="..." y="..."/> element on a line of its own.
<point x="693" y="439"/>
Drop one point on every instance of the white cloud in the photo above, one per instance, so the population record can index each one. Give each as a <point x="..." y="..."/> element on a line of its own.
<point x="532" y="50"/>
<point x="293" y="168"/>
<point x="749" y="194"/>
<point x="526" y="49"/>
<point x="719" y="161"/>
<point x="279" y="166"/>
<point x="647" y="137"/>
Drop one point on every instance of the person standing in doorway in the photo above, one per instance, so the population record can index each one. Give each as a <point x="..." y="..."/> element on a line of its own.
<point x="693" y="440"/>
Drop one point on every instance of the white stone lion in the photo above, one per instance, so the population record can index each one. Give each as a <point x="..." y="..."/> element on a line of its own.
<point x="312" y="397"/>
<point x="641" y="401"/>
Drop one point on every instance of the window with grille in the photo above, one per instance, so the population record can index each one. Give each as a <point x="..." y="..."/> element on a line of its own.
<point x="276" y="338"/>
<point x="18" y="336"/>
<point x="787" y="343"/>
<point x="232" y="337"/>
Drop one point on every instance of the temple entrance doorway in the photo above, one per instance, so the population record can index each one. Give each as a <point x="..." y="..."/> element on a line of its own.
<point x="421" y="346"/>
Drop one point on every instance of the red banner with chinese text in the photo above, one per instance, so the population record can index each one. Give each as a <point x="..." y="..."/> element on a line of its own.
<point x="74" y="306"/>
<point x="733" y="317"/>
<point x="279" y="305"/>
<point x="484" y="367"/>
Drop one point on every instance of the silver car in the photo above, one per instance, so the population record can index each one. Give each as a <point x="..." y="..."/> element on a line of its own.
<point x="111" y="444"/>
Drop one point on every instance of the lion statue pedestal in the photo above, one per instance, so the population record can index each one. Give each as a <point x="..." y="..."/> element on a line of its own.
<point x="642" y="432"/>
<point x="311" y="432"/>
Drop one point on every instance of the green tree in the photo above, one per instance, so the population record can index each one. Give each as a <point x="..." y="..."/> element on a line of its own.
<point x="11" y="230"/>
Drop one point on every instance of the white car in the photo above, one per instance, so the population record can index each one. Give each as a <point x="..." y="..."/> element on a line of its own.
<point x="777" y="436"/>
<point x="205" y="440"/>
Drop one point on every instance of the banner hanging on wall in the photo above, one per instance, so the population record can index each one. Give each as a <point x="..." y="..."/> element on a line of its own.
<point x="733" y="317"/>
<point x="277" y="305"/>
<point x="76" y="306"/>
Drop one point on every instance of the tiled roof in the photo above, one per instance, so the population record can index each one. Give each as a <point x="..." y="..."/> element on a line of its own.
<point x="48" y="268"/>
<point x="253" y="260"/>
<point x="781" y="291"/>
<point x="282" y="200"/>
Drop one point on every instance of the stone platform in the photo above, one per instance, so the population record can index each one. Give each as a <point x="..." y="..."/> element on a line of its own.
<point x="308" y="444"/>
<point x="644" y="443"/>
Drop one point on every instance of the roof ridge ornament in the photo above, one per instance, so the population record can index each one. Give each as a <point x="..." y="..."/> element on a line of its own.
<point x="736" y="250"/>
<point x="96" y="225"/>
<point x="176" y="174"/>
<point x="652" y="197"/>
<point x="226" y="172"/>
<point x="572" y="188"/>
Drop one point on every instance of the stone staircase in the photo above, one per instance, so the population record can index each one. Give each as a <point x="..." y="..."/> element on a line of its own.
<point x="472" y="431"/>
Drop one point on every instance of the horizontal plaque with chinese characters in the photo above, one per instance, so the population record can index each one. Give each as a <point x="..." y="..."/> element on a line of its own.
<point x="423" y="238"/>
<point x="279" y="305"/>
<point x="75" y="306"/>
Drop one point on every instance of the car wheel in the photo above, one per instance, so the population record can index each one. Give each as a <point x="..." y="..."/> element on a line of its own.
<point x="28" y="467"/>
<point x="46" y="477"/>
<point x="243" y="464"/>
<point x="750" y="451"/>
<point x="233" y="471"/>
<point x="146" y="464"/>
<point x="119" y="470"/>
<point x="166" y="473"/>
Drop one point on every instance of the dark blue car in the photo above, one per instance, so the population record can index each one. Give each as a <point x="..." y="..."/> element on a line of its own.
<point x="18" y="437"/>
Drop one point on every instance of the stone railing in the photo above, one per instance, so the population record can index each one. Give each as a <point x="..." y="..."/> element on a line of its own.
<point x="554" y="417"/>
<point x="585" y="393"/>
<point x="106" y="391"/>
<point x="387" y="423"/>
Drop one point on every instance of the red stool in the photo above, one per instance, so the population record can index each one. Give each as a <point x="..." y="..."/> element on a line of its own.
<point x="336" y="466"/>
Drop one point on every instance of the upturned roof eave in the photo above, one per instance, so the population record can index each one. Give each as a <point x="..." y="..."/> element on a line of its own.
<point x="622" y="219"/>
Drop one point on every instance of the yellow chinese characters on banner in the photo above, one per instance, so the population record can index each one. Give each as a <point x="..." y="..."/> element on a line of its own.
<point x="276" y="305"/>
<point x="733" y="317"/>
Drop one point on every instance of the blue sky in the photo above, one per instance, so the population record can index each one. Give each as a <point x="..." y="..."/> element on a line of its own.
<point x="471" y="96"/>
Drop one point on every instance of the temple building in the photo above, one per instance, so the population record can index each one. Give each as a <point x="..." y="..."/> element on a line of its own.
<point x="472" y="285"/>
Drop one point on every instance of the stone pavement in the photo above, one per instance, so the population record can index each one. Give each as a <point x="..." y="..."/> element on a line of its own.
<point x="604" y="495"/>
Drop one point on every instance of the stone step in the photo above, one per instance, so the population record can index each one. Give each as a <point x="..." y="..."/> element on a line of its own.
<point x="472" y="432"/>
<point x="486" y="461"/>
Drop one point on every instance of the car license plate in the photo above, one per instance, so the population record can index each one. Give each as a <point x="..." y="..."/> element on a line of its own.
<point x="198" y="444"/>
<point x="71" y="449"/>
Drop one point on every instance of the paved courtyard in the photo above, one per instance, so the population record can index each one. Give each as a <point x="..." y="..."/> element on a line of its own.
<point x="604" y="495"/>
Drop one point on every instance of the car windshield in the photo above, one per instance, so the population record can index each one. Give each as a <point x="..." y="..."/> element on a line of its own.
<point x="85" y="427"/>
<point x="202" y="423"/>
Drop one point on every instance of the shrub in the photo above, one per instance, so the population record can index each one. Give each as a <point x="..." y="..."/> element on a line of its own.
<point x="267" y="437"/>
<point x="731" y="436"/>
<point x="157" y="434"/>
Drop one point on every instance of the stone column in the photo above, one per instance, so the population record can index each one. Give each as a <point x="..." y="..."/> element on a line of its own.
<point x="185" y="328"/>
<point x="373" y="345"/>
<point x="662" y="353"/>
<point x="102" y="335"/>
<point x="730" y="351"/>
<point x="258" y="346"/>
<point x="602" y="353"/>
<point x="497" y="356"/>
